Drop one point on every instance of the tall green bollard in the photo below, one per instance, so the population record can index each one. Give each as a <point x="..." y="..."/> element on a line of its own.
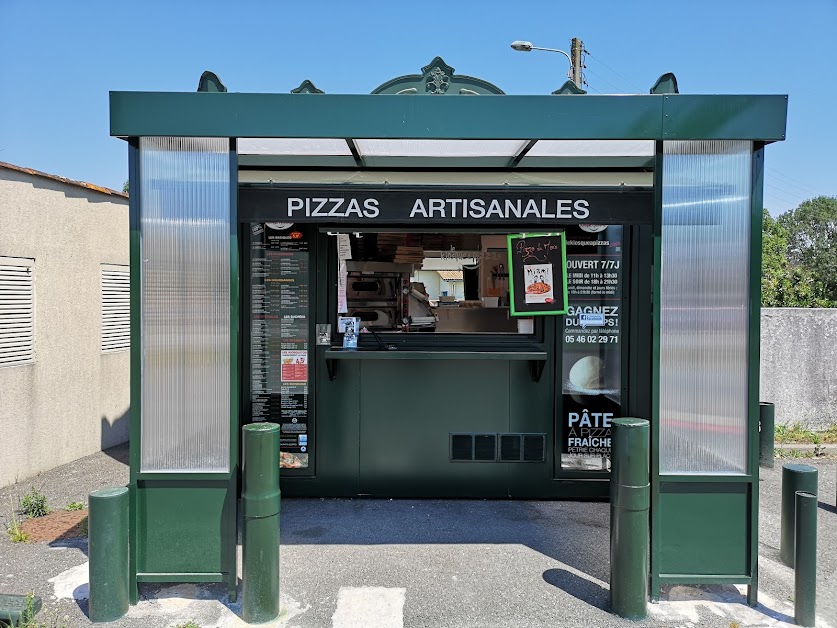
<point x="107" y="531"/>
<point x="260" y="501"/>
<point x="630" y="498"/>
<point x="795" y="477"/>
<point x="767" y="433"/>
<point x="805" y="560"/>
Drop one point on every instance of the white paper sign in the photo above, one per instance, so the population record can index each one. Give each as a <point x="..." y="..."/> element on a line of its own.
<point x="538" y="283"/>
<point x="342" y="280"/>
<point x="344" y="246"/>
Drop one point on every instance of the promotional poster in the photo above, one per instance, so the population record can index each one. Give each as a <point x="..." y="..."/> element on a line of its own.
<point x="592" y="336"/>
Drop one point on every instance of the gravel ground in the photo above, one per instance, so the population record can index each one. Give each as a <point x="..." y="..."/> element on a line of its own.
<point x="445" y="563"/>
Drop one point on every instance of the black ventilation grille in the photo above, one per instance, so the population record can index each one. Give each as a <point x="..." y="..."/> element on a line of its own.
<point x="461" y="447"/>
<point x="483" y="448"/>
<point x="509" y="447"/>
<point x="534" y="446"/>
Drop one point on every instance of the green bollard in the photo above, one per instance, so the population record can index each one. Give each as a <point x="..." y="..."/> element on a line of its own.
<point x="795" y="477"/>
<point x="805" y="560"/>
<point x="107" y="531"/>
<point x="767" y="433"/>
<point x="260" y="502"/>
<point x="630" y="498"/>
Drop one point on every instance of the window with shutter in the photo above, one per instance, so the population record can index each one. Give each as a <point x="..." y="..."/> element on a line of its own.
<point x="116" y="308"/>
<point x="17" y="311"/>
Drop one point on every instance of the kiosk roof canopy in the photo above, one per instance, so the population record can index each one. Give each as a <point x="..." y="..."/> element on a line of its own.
<point x="434" y="118"/>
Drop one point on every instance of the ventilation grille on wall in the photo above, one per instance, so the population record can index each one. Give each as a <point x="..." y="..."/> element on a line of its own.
<point x="116" y="309"/>
<point x="17" y="312"/>
<point x="483" y="447"/>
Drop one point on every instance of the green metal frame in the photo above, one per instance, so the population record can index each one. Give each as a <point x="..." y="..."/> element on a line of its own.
<point x="721" y="486"/>
<point x="174" y="493"/>
<point x="563" y="237"/>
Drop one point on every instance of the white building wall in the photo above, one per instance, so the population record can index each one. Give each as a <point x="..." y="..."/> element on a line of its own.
<point x="73" y="399"/>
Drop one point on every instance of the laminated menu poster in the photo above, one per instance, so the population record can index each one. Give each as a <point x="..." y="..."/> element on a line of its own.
<point x="538" y="273"/>
<point x="280" y="335"/>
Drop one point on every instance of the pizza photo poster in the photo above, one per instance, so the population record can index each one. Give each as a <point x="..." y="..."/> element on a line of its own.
<point x="538" y="269"/>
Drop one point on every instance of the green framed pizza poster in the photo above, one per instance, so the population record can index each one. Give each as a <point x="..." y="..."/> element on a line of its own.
<point x="537" y="274"/>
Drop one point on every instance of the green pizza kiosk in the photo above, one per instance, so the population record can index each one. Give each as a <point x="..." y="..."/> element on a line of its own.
<point x="439" y="290"/>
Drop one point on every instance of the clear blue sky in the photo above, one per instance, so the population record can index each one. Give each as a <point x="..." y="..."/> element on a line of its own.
<point x="58" y="60"/>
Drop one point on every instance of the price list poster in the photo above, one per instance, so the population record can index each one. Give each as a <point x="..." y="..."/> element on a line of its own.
<point x="592" y="339"/>
<point x="279" y="335"/>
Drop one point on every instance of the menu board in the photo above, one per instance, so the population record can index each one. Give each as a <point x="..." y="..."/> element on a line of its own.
<point x="592" y="356"/>
<point x="279" y="336"/>
<point x="537" y="266"/>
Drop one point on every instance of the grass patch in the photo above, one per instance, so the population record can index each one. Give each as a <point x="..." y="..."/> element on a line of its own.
<point x="15" y="532"/>
<point x="34" y="504"/>
<point x="74" y="506"/>
<point x="28" y="620"/>
<point x="799" y="434"/>
<point x="190" y="624"/>
<point x="793" y="454"/>
<point x="794" y="433"/>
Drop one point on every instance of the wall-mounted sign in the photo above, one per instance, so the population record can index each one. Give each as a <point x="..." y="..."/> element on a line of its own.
<point x="538" y="273"/>
<point x="501" y="205"/>
<point x="279" y="336"/>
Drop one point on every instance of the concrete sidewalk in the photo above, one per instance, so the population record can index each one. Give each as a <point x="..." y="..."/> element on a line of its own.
<point x="392" y="563"/>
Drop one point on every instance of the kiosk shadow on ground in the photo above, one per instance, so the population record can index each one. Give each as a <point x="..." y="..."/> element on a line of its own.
<point x="581" y="588"/>
<point x="573" y="533"/>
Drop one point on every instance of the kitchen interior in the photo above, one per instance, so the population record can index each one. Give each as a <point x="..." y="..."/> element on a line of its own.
<point x="431" y="283"/>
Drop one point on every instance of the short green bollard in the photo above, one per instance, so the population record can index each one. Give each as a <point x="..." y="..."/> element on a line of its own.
<point x="767" y="433"/>
<point x="795" y="477"/>
<point x="260" y="502"/>
<point x="805" y="560"/>
<point x="107" y="531"/>
<point x="630" y="499"/>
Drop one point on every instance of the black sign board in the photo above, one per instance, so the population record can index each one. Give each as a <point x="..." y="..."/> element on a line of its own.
<point x="279" y="337"/>
<point x="538" y="274"/>
<point x="359" y="205"/>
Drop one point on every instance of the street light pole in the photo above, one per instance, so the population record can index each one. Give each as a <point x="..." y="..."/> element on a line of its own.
<point x="575" y="60"/>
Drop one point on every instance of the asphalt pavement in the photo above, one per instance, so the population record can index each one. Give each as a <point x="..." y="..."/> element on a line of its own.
<point x="376" y="563"/>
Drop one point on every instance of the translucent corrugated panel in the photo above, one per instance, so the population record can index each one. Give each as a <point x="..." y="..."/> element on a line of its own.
<point x="592" y="148"/>
<point x="292" y="146"/>
<point x="439" y="148"/>
<point x="704" y="316"/>
<point x="184" y="192"/>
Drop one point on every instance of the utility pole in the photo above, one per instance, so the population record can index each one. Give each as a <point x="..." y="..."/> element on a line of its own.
<point x="575" y="50"/>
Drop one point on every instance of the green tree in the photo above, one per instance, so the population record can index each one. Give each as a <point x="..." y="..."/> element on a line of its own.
<point x="783" y="283"/>
<point x="812" y="240"/>
<point x="125" y="187"/>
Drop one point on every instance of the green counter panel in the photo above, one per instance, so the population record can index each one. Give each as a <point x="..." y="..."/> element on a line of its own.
<point x="408" y="410"/>
<point x="704" y="529"/>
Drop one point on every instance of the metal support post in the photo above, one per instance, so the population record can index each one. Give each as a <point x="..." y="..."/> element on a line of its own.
<point x="795" y="477"/>
<point x="630" y="498"/>
<point x="107" y="527"/>
<point x="805" y="560"/>
<point x="767" y="429"/>
<point x="260" y="501"/>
